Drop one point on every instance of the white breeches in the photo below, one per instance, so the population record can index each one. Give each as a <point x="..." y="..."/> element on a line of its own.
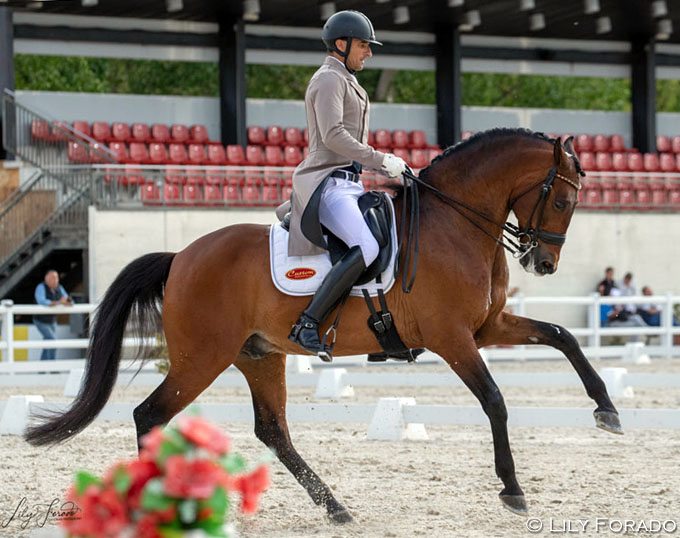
<point x="339" y="212"/>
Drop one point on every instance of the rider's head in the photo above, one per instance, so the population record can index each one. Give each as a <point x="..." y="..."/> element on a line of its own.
<point x="345" y="28"/>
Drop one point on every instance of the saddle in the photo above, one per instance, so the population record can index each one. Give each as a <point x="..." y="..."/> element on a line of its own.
<point x="374" y="206"/>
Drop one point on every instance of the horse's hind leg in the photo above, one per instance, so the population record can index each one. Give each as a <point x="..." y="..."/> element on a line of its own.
<point x="515" y="330"/>
<point x="470" y="367"/>
<point x="267" y="381"/>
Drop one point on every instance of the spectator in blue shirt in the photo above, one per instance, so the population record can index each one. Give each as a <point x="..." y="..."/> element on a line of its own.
<point x="49" y="293"/>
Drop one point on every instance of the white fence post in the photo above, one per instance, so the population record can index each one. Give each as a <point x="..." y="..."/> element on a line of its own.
<point x="594" y="322"/>
<point x="15" y="415"/>
<point x="75" y="378"/>
<point x="331" y="384"/>
<point x="298" y="364"/>
<point x="615" y="379"/>
<point x="634" y="353"/>
<point x="388" y="422"/>
<point x="667" y="323"/>
<point x="8" y="330"/>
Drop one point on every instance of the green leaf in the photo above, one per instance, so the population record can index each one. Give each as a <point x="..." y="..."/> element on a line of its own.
<point x="212" y="528"/>
<point x="121" y="480"/>
<point x="153" y="497"/>
<point x="233" y="463"/>
<point x="171" y="532"/>
<point x="167" y="449"/>
<point x="187" y="510"/>
<point x="85" y="479"/>
<point x="218" y="504"/>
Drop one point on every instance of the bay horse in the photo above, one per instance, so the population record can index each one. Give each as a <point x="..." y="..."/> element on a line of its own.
<point x="219" y="306"/>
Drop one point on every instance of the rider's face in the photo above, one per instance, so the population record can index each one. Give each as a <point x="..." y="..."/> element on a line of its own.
<point x="358" y="52"/>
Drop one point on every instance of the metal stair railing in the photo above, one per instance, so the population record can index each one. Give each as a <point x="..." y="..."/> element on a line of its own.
<point x="56" y="197"/>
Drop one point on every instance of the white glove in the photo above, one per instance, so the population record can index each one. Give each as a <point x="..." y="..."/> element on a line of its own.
<point x="393" y="166"/>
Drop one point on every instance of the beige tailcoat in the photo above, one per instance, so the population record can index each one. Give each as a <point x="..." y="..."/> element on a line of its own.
<point x="337" y="111"/>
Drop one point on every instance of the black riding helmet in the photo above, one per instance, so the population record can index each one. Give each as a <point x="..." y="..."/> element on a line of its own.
<point x="347" y="25"/>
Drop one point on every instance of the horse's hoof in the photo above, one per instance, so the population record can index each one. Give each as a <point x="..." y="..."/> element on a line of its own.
<point x="517" y="504"/>
<point x="608" y="421"/>
<point x="341" y="518"/>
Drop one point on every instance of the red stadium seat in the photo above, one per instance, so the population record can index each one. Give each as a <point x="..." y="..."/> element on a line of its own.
<point x="195" y="175"/>
<point x="251" y="189"/>
<point x="179" y="133"/>
<point x="160" y="133"/>
<point x="150" y="194"/>
<point x="371" y="139"/>
<point x="383" y="138"/>
<point x="273" y="156"/>
<point x="192" y="193"/>
<point x="139" y="153"/>
<point x="603" y="161"/>
<point x="232" y="191"/>
<point x="592" y="195"/>
<point x="197" y="154"/>
<point x="235" y="155"/>
<point x="466" y="134"/>
<point x="305" y="136"/>
<point x="216" y="155"/>
<point x="667" y="162"/>
<point x="601" y="143"/>
<point x="101" y="131"/>
<point x="175" y="175"/>
<point x="120" y="150"/>
<point x="132" y="176"/>
<point x="198" y="134"/>
<point x="158" y="154"/>
<point x="213" y="194"/>
<point x="292" y="156"/>
<point x="40" y="130"/>
<point x="635" y="163"/>
<point x="663" y="144"/>
<point x="120" y="132"/>
<point x="177" y="154"/>
<point x="254" y="155"/>
<point x="620" y="162"/>
<point x="419" y="158"/>
<point x="675" y="144"/>
<point x="650" y="162"/>
<point x="583" y="142"/>
<point x="305" y="152"/>
<point x="400" y="139"/>
<point x="403" y="153"/>
<point x="433" y="152"/>
<point x="256" y="135"/>
<point x="82" y="127"/>
<point x="274" y="136"/>
<point x="77" y="153"/>
<point x="587" y="160"/>
<point x="417" y="139"/>
<point x="171" y="194"/>
<point x="140" y="133"/>
<point x="677" y="162"/>
<point x="293" y="137"/>
<point x="616" y="143"/>
<point x="271" y="190"/>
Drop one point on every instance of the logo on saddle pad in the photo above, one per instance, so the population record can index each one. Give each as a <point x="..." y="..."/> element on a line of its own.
<point x="300" y="273"/>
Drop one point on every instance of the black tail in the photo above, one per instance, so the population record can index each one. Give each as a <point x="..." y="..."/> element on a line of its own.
<point x="140" y="287"/>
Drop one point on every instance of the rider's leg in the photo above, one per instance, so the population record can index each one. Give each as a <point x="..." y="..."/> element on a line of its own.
<point x="339" y="212"/>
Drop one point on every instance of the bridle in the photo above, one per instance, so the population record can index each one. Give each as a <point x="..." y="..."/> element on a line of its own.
<point x="526" y="238"/>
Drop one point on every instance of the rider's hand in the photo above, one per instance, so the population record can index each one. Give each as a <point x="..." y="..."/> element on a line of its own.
<point x="393" y="166"/>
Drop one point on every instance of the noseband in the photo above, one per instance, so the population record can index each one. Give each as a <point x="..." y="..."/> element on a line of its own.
<point x="527" y="236"/>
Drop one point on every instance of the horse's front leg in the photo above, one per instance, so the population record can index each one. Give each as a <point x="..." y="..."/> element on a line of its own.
<point x="508" y="329"/>
<point x="468" y="364"/>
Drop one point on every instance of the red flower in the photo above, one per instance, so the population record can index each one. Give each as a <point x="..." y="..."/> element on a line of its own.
<point x="251" y="486"/>
<point x="103" y="513"/>
<point x="141" y="471"/>
<point x="147" y="527"/>
<point x="151" y="443"/>
<point x="203" y="434"/>
<point x="191" y="479"/>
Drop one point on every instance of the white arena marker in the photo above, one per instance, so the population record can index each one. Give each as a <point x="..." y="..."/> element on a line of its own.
<point x="388" y="422"/>
<point x="298" y="364"/>
<point x="75" y="377"/>
<point x="614" y="378"/>
<point x="634" y="353"/>
<point x="331" y="384"/>
<point x="15" y="415"/>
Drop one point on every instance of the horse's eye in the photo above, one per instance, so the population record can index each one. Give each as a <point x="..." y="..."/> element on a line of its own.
<point x="560" y="205"/>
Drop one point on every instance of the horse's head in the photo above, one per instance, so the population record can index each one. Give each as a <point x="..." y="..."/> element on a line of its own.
<point x="544" y="210"/>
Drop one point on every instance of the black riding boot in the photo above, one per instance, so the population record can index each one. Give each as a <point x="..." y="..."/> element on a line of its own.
<point x="337" y="282"/>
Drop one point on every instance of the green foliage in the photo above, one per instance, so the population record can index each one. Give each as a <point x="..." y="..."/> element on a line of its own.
<point x="150" y="77"/>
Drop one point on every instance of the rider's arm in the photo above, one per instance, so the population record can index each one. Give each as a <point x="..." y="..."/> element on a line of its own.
<point x="328" y="100"/>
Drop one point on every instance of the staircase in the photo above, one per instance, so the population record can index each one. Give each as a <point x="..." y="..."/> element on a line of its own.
<point x="49" y="211"/>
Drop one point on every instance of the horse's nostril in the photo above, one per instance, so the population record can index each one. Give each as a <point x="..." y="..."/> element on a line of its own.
<point x="548" y="266"/>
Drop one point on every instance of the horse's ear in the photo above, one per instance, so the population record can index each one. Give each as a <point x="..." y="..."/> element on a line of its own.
<point x="569" y="145"/>
<point x="558" y="152"/>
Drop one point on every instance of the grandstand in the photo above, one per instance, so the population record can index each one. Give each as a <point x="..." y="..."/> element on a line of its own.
<point x="101" y="169"/>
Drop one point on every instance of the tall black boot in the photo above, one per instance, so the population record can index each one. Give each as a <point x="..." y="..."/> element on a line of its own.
<point x="335" y="285"/>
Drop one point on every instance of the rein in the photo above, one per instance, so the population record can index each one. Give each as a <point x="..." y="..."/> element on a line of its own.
<point x="518" y="249"/>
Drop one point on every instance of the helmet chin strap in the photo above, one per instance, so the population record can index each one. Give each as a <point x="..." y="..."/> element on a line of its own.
<point x="345" y="54"/>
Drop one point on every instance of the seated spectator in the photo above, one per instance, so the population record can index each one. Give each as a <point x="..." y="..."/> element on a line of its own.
<point x="622" y="315"/>
<point x="649" y="312"/>
<point x="605" y="286"/>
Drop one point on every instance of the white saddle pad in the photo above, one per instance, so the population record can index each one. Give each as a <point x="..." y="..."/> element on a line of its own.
<point x="302" y="275"/>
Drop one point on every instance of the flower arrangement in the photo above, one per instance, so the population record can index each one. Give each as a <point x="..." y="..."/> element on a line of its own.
<point x="178" y="487"/>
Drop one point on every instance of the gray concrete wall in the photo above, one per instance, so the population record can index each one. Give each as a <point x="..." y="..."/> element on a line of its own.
<point x="205" y="110"/>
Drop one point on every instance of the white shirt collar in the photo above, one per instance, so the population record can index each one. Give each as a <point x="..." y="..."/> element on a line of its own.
<point x="345" y="68"/>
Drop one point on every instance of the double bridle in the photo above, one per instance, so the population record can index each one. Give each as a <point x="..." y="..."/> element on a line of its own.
<point x="527" y="237"/>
